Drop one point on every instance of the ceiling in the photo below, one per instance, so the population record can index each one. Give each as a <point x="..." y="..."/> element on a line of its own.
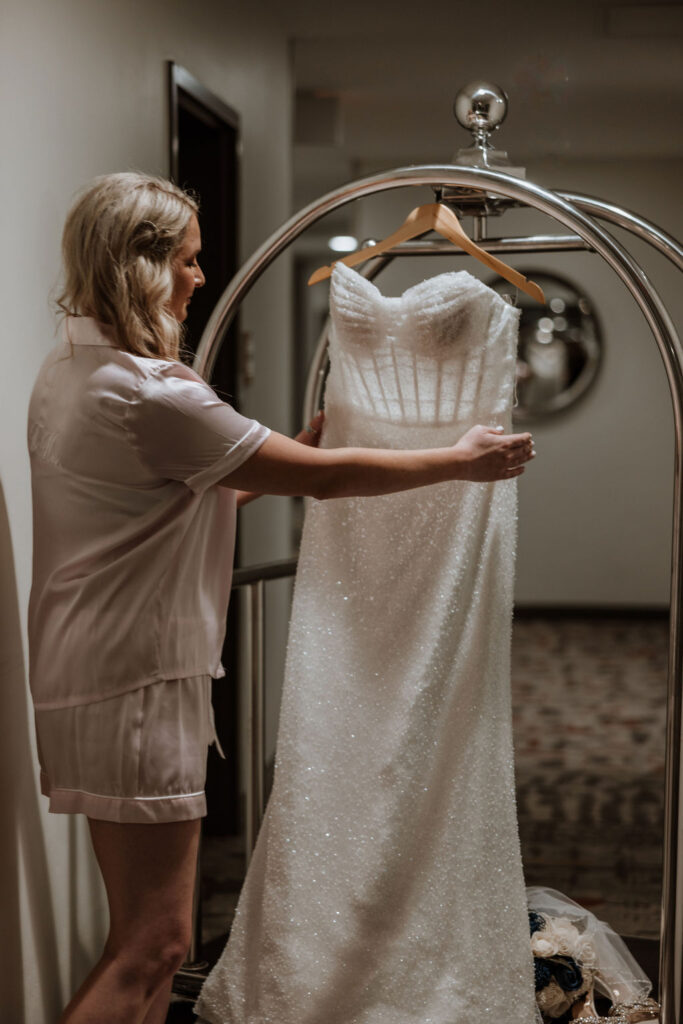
<point x="376" y="81"/>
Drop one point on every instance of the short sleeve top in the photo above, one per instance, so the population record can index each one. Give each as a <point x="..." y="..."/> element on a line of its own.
<point x="133" y="543"/>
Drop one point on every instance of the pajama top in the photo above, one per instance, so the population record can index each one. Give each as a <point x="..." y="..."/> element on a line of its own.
<point x="133" y="543"/>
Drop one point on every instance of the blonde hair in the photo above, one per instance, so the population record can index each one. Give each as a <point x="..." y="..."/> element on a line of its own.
<point x="118" y="246"/>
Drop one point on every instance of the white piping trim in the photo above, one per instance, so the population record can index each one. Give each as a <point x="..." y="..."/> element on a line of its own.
<point x="103" y="796"/>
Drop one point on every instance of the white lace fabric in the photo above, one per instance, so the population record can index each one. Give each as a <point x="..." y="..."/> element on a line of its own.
<point x="386" y="886"/>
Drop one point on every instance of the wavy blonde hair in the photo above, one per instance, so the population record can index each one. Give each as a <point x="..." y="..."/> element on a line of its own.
<point x="118" y="246"/>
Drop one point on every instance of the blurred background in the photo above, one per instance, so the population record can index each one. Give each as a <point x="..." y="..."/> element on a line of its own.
<point x="261" y="109"/>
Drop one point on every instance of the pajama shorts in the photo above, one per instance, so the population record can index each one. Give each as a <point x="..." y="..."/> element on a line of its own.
<point x="139" y="757"/>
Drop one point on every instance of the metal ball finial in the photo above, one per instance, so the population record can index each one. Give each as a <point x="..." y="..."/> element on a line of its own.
<point x="481" y="108"/>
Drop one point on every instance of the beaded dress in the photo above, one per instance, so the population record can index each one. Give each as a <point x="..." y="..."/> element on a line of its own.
<point x="386" y="886"/>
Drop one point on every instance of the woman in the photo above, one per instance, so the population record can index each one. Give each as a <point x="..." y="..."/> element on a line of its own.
<point x="137" y="469"/>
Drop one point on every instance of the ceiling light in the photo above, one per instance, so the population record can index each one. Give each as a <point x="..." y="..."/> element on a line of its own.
<point x="343" y="243"/>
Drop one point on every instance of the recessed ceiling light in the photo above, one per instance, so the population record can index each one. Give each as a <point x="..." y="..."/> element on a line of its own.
<point x="343" y="243"/>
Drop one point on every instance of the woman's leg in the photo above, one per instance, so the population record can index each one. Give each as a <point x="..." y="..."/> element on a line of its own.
<point x="149" y="874"/>
<point x="158" y="1011"/>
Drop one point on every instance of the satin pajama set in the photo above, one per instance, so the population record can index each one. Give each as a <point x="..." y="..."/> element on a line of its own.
<point x="133" y="550"/>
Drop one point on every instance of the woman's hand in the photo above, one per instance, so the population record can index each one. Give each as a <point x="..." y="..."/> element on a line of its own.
<point x="489" y="454"/>
<point x="310" y="435"/>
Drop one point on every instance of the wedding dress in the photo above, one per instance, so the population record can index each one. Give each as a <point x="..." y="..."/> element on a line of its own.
<point x="386" y="886"/>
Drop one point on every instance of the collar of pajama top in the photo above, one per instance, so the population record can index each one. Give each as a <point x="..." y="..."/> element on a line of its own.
<point x="133" y="543"/>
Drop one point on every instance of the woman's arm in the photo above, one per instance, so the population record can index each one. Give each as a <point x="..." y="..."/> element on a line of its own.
<point x="283" y="466"/>
<point x="244" y="497"/>
<point x="310" y="436"/>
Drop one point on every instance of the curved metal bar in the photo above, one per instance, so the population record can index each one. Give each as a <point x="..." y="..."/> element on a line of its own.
<point x="503" y="184"/>
<point x="645" y="229"/>
<point x="531" y="243"/>
<point x="670" y="350"/>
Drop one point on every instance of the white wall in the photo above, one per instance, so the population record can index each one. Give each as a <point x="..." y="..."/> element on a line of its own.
<point x="83" y="84"/>
<point x="595" y="507"/>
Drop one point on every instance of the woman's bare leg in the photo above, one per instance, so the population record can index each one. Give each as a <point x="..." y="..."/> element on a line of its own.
<point x="149" y="874"/>
<point x="158" y="1011"/>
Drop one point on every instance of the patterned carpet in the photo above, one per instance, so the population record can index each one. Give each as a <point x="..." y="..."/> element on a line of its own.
<point x="589" y="719"/>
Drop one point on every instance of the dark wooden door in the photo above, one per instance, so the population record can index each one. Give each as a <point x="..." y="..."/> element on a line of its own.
<point x="205" y="159"/>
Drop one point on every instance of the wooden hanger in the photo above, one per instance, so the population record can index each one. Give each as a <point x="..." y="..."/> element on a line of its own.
<point x="439" y="218"/>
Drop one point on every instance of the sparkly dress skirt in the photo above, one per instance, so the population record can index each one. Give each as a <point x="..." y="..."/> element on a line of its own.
<point x="386" y="886"/>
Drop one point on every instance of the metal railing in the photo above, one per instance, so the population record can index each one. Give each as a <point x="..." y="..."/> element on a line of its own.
<point x="250" y="583"/>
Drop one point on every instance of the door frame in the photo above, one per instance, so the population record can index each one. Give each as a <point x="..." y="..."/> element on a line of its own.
<point x="180" y="80"/>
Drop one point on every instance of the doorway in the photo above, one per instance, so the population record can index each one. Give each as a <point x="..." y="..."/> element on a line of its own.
<point x="204" y="158"/>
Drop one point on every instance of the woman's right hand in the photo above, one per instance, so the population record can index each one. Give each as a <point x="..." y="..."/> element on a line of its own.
<point x="489" y="454"/>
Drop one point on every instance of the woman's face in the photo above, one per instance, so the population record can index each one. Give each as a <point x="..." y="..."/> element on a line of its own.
<point x="187" y="274"/>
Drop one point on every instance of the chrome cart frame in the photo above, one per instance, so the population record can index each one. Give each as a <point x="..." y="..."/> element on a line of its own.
<point x="579" y="214"/>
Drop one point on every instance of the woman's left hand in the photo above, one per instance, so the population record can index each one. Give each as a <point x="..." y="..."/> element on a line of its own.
<point x="310" y="435"/>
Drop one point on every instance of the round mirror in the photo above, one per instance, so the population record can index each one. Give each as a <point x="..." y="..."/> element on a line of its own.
<point x="560" y="345"/>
